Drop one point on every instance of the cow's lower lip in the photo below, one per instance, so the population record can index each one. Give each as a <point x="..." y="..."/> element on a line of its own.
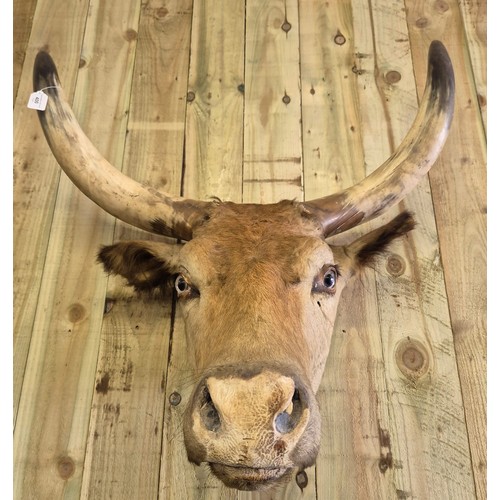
<point x="248" y="478"/>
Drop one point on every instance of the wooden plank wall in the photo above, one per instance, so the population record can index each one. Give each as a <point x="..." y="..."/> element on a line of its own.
<point x="254" y="101"/>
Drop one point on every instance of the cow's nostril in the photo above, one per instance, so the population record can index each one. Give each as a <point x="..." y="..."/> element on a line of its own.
<point x="283" y="423"/>
<point x="287" y="420"/>
<point x="208" y="412"/>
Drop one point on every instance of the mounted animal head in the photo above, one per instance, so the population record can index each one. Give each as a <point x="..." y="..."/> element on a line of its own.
<point x="258" y="285"/>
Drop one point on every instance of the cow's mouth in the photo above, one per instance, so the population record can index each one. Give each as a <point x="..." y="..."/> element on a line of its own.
<point x="249" y="478"/>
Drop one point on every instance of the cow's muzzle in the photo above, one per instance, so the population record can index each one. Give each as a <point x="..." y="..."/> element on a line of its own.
<point x="252" y="428"/>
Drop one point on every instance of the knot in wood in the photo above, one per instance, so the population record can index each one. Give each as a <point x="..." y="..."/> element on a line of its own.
<point x="190" y="96"/>
<point x="395" y="265"/>
<point x="130" y="35"/>
<point x="65" y="467"/>
<point x="76" y="313"/>
<point x="412" y="358"/>
<point x="441" y="6"/>
<point x="392" y="77"/>
<point x="175" y="398"/>
<point x="421" y="22"/>
<point x="339" y="38"/>
<point x="286" y="26"/>
<point x="160" y="13"/>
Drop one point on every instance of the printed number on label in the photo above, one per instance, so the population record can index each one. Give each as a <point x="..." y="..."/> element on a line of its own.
<point x="38" y="100"/>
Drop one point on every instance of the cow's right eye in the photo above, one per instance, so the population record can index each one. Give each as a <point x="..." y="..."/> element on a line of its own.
<point x="181" y="285"/>
<point x="184" y="288"/>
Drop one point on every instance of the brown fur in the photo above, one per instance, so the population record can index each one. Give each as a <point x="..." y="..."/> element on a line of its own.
<point x="259" y="321"/>
<point x="147" y="266"/>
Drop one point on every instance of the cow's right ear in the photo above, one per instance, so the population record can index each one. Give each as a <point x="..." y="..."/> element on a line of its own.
<point x="146" y="265"/>
<point x="363" y="251"/>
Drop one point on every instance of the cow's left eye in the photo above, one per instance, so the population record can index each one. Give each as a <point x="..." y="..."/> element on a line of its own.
<point x="326" y="280"/>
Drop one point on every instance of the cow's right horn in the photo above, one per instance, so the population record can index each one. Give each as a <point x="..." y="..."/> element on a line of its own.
<point x="129" y="200"/>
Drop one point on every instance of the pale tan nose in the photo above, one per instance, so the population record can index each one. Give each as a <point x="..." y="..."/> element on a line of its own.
<point x="248" y="405"/>
<point x="260" y="420"/>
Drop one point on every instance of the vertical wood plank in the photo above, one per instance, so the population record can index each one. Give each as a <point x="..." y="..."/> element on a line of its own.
<point x="459" y="191"/>
<point x="52" y="424"/>
<point x="24" y="10"/>
<point x="36" y="174"/>
<point x="124" y="444"/>
<point x="474" y="18"/>
<point x="214" y="136"/>
<point x="273" y="153"/>
<point x="333" y="151"/>
<point x="125" y="439"/>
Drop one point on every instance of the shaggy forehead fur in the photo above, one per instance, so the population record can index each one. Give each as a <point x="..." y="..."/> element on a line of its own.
<point x="230" y="222"/>
<point x="260" y="237"/>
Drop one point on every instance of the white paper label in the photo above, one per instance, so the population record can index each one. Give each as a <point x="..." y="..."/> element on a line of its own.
<point x="38" y="100"/>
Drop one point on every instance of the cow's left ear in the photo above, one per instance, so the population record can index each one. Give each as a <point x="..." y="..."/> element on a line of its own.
<point x="363" y="250"/>
<point x="146" y="265"/>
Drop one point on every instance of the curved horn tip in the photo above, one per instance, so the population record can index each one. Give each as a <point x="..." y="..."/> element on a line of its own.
<point x="441" y="72"/>
<point x="44" y="70"/>
<point x="437" y="50"/>
<point x="438" y="55"/>
<point x="44" y="64"/>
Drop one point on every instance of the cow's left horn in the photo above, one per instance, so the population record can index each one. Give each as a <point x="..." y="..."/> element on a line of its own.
<point x="390" y="182"/>
<point x="121" y="196"/>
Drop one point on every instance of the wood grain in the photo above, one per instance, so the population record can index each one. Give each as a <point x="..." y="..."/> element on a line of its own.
<point x="459" y="192"/>
<point x="273" y="155"/>
<point x="251" y="101"/>
<point x="214" y="115"/>
<point x="474" y="18"/>
<point x="24" y="12"/>
<point x="36" y="174"/>
<point x="58" y="383"/>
